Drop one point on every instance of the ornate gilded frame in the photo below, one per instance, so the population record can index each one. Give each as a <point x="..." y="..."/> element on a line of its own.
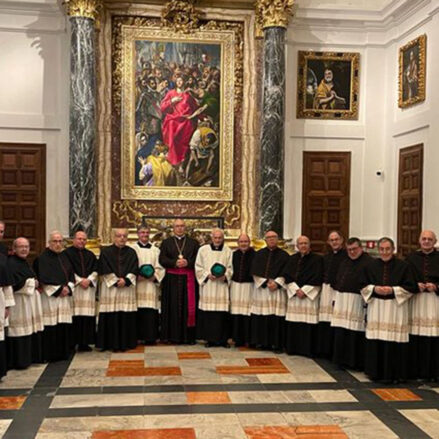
<point x="420" y="44"/>
<point x="328" y="60"/>
<point x="226" y="40"/>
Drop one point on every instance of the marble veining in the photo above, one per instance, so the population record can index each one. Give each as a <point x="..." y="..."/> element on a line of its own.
<point x="272" y="135"/>
<point x="82" y="126"/>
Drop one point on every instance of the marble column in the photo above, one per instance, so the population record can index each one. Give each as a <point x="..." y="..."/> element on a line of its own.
<point x="272" y="135"/>
<point x="273" y="17"/>
<point x="82" y="126"/>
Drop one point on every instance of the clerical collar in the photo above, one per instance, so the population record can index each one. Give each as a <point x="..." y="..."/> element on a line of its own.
<point x="180" y="237"/>
<point x="141" y="245"/>
<point x="217" y="248"/>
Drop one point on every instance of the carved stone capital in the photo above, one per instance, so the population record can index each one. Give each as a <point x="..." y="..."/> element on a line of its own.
<point x="83" y="8"/>
<point x="180" y="16"/>
<point x="273" y="13"/>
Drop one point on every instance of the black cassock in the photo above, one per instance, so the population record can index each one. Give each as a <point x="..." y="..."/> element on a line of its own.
<point x="267" y="331"/>
<point x="4" y="281"/>
<point x="242" y="264"/>
<point x="387" y="360"/>
<point x="179" y="296"/>
<point x="349" y="345"/>
<point x="300" y="337"/>
<point x="54" y="268"/>
<point x="84" y="263"/>
<point x="117" y="329"/>
<point x="24" y="350"/>
<point x="325" y="333"/>
<point x="3" y="249"/>
<point x="424" y="350"/>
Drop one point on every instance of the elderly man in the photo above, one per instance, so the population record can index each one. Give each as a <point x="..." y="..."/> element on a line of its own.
<point x="213" y="269"/>
<point x="241" y="290"/>
<point x="150" y="275"/>
<point x="389" y="286"/>
<point x="348" y="318"/>
<point x="6" y="301"/>
<point x="118" y="266"/>
<point x="85" y="266"/>
<point x="56" y="281"/>
<point x="331" y="263"/>
<point x="303" y="275"/>
<point x="26" y="317"/>
<point x="424" y="325"/>
<point x="3" y="248"/>
<point x="269" y="301"/>
<point x="179" y="289"/>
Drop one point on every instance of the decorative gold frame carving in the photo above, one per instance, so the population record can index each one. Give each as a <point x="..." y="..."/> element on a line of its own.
<point x="328" y="57"/>
<point x="421" y="41"/>
<point x="224" y="38"/>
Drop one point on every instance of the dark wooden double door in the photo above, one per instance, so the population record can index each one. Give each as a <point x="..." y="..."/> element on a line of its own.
<point x="23" y="193"/>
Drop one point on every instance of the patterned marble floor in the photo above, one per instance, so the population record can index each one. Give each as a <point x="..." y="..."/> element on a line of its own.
<point x="190" y="392"/>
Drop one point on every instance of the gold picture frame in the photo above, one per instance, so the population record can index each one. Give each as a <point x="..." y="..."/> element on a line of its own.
<point x="181" y="186"/>
<point x="411" y="80"/>
<point x="328" y="85"/>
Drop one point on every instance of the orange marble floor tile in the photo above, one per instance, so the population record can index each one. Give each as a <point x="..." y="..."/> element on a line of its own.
<point x="140" y="349"/>
<point x="264" y="362"/>
<point x="296" y="432"/>
<point x="136" y="368"/>
<point x="250" y="370"/>
<point x="11" y="402"/>
<point x="208" y="398"/>
<point x="193" y="355"/>
<point x="160" y="433"/>
<point x="246" y="348"/>
<point x="396" y="395"/>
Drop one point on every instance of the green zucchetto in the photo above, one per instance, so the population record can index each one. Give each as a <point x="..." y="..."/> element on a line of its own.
<point x="218" y="270"/>
<point x="146" y="270"/>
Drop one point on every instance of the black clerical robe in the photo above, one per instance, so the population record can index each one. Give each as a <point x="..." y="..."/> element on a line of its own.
<point x="241" y="295"/>
<point x="6" y="301"/>
<point x="268" y="307"/>
<point x="179" y="290"/>
<point x="424" y="319"/>
<point x="3" y="249"/>
<point x="117" y="326"/>
<point x="305" y="273"/>
<point x="325" y="334"/>
<point x="24" y="341"/>
<point x="85" y="266"/>
<point x="349" y="314"/>
<point x="387" y="330"/>
<point x="54" y="272"/>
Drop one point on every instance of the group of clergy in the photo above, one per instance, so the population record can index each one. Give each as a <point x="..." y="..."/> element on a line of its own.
<point x="380" y="315"/>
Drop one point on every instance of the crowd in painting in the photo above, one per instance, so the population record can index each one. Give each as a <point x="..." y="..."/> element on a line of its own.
<point x="378" y="314"/>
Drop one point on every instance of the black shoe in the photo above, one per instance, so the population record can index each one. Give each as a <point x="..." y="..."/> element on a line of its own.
<point x="84" y="348"/>
<point x="225" y="345"/>
<point x="208" y="345"/>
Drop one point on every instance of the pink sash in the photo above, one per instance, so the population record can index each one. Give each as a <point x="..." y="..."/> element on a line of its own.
<point x="190" y="290"/>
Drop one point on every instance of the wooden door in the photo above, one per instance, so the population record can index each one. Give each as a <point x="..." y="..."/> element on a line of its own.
<point x="23" y="193"/>
<point x="411" y="163"/>
<point x="325" y="201"/>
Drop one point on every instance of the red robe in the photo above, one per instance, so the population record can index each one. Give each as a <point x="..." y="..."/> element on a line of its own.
<point x="177" y="130"/>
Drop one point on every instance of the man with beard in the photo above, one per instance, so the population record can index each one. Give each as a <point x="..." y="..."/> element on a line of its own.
<point x="326" y="97"/>
<point x="179" y="289"/>
<point x="118" y="266"/>
<point x="302" y="275"/>
<point x="56" y="280"/>
<point x="85" y="266"/>
<point x="150" y="275"/>
<point x="213" y="269"/>
<point x="24" y="341"/>
<point x="6" y="301"/>
<point x="269" y="300"/>
<point x="349" y="314"/>
<point x="389" y="286"/>
<point x="241" y="290"/>
<point x="331" y="264"/>
<point x="424" y="325"/>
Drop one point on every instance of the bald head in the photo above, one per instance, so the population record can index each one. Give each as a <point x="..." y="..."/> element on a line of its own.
<point x="21" y="247"/>
<point x="427" y="241"/>
<point x="56" y="241"/>
<point x="303" y="245"/>
<point x="179" y="227"/>
<point x="271" y="238"/>
<point x="243" y="242"/>
<point x="217" y="237"/>
<point x="80" y="239"/>
<point x="120" y="237"/>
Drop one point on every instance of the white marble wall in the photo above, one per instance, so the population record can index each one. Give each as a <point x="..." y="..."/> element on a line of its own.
<point x="382" y="129"/>
<point x="34" y="91"/>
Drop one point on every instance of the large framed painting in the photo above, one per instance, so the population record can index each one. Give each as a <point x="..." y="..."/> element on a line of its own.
<point x="412" y="72"/>
<point x="328" y="85"/>
<point x="177" y="114"/>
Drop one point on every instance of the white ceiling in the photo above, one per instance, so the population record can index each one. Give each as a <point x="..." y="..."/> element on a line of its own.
<point x="354" y="5"/>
